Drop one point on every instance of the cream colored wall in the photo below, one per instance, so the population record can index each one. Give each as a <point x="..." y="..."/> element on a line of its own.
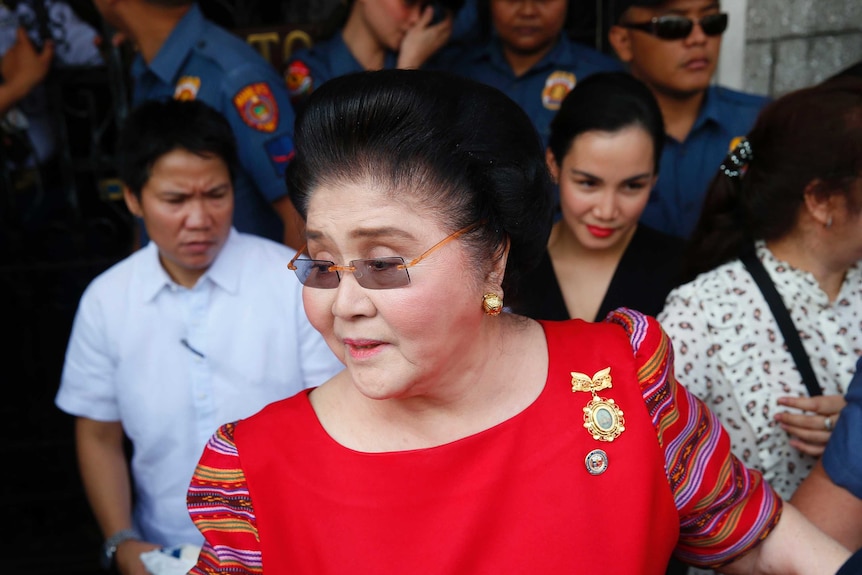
<point x="731" y="68"/>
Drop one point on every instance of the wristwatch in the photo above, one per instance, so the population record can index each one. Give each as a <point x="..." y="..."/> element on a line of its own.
<point x="109" y="547"/>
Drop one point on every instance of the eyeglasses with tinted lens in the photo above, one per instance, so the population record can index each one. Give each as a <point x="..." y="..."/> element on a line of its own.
<point x="375" y="273"/>
<point x="674" y="27"/>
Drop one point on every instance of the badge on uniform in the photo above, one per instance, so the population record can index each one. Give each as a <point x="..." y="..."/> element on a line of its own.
<point x="602" y="418"/>
<point x="187" y="88"/>
<point x="256" y="106"/>
<point x="297" y="76"/>
<point x="557" y="87"/>
<point x="734" y="143"/>
<point x="280" y="151"/>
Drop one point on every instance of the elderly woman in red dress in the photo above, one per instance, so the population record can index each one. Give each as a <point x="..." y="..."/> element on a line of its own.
<point x="461" y="439"/>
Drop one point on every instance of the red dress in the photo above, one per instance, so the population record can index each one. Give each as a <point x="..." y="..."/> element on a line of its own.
<point x="516" y="498"/>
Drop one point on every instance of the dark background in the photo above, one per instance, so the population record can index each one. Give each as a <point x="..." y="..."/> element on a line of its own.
<point x="55" y="236"/>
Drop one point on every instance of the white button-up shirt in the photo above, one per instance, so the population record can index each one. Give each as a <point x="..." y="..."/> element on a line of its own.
<point x="172" y="364"/>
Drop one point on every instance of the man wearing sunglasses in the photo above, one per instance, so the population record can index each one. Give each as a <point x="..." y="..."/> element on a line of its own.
<point x="673" y="47"/>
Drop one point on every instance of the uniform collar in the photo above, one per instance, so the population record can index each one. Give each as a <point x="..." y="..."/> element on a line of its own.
<point x="224" y="271"/>
<point x="341" y="59"/>
<point x="710" y="108"/>
<point x="562" y="55"/>
<point x="172" y="55"/>
<point x="344" y="62"/>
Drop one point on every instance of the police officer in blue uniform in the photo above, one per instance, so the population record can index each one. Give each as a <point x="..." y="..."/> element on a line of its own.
<point x="377" y="34"/>
<point x="311" y="67"/>
<point x="688" y="166"/>
<point x="49" y="34"/>
<point x="200" y="60"/>
<point x="526" y="54"/>
<point x="673" y="47"/>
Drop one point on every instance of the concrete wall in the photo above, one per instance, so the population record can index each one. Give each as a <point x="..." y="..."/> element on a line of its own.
<point x="794" y="43"/>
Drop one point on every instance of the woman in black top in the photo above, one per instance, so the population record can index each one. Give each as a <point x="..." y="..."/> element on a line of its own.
<point x="604" y="153"/>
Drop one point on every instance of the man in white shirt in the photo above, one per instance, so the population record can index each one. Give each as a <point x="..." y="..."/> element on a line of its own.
<point x="202" y="326"/>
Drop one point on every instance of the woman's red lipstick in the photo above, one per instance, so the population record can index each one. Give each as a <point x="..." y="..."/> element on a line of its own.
<point x="599" y="232"/>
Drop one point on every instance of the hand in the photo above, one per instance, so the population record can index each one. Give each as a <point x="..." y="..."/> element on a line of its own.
<point x="423" y="40"/>
<point x="128" y="556"/>
<point x="809" y="431"/>
<point x="22" y="67"/>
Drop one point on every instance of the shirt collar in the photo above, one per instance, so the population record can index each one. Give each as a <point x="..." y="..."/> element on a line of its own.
<point x="343" y="61"/>
<point x="710" y="109"/>
<point x="224" y="271"/>
<point x="171" y="56"/>
<point x="805" y="287"/>
<point x="560" y="56"/>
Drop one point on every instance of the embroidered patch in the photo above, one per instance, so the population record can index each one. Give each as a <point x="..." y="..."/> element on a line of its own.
<point x="297" y="76"/>
<point x="256" y="106"/>
<point x="280" y="151"/>
<point x="187" y="88"/>
<point x="557" y="86"/>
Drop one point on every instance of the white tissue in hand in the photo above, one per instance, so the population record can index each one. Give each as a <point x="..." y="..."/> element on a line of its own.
<point x="176" y="560"/>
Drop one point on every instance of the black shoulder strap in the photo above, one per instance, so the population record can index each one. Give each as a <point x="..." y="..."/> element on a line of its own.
<point x="782" y="317"/>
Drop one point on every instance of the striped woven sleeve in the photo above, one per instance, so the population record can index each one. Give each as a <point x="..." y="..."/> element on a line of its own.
<point x="221" y="508"/>
<point x="725" y="508"/>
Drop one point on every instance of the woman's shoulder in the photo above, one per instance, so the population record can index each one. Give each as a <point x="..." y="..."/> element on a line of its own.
<point x="639" y="332"/>
<point x="718" y="307"/>
<point x="645" y="235"/>
<point x="720" y="284"/>
<point x="654" y="258"/>
<point x="276" y="417"/>
<point x="644" y="333"/>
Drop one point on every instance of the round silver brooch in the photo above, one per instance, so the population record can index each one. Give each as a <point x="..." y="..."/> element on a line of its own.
<point x="596" y="462"/>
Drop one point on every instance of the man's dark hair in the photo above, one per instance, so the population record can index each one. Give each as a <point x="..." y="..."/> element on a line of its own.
<point x="158" y="127"/>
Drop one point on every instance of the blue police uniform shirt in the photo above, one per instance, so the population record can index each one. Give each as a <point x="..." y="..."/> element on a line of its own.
<point x="842" y="459"/>
<point x="541" y="89"/>
<point x="203" y="61"/>
<point x="310" y="67"/>
<point x="687" y="168"/>
<point x="465" y="26"/>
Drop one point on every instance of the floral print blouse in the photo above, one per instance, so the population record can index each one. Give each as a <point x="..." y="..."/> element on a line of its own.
<point x="731" y="354"/>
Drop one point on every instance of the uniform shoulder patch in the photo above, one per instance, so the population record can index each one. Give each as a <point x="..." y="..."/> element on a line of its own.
<point x="257" y="107"/>
<point x="298" y="78"/>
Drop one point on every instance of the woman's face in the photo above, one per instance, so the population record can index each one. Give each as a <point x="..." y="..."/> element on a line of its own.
<point x="605" y="181"/>
<point x="389" y="20"/>
<point x="845" y="233"/>
<point x="528" y="26"/>
<point x="396" y="343"/>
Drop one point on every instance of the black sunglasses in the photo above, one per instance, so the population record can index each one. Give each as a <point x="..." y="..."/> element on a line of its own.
<point x="674" y="27"/>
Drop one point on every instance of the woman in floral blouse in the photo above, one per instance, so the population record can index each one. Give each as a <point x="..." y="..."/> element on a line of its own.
<point x="791" y="195"/>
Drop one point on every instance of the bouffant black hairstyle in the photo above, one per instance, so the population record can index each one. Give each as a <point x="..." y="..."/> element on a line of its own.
<point x="459" y="148"/>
